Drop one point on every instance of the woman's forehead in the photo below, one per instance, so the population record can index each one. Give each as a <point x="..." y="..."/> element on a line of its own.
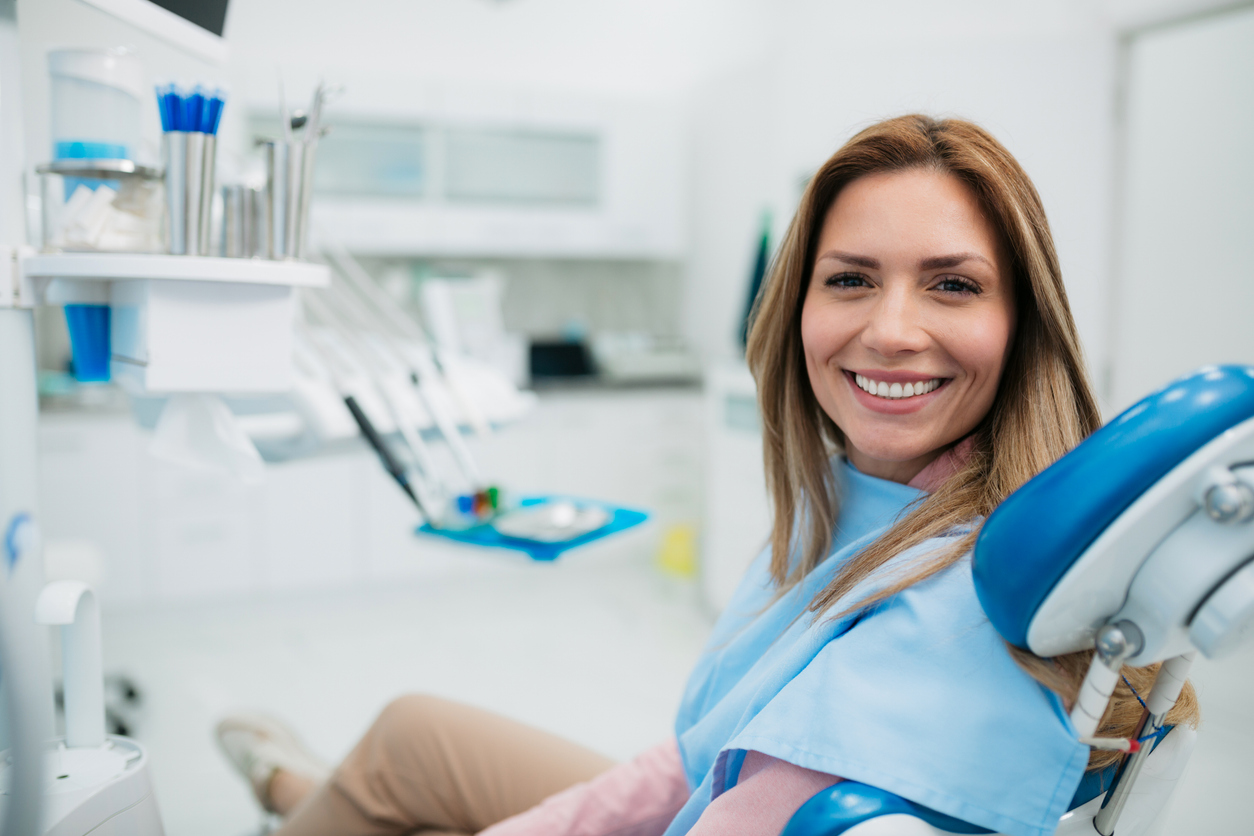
<point x="914" y="214"/>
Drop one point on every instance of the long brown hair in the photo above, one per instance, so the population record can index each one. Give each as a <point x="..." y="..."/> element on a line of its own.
<point x="1044" y="405"/>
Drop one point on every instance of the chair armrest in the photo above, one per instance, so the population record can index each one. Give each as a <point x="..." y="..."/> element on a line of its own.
<point x="843" y="806"/>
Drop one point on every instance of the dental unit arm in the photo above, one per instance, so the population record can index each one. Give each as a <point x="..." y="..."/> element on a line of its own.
<point x="1139" y="545"/>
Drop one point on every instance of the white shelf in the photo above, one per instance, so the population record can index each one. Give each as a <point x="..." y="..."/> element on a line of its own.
<point x="132" y="266"/>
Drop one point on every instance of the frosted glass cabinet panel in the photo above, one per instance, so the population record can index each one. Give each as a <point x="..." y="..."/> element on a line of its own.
<point x="522" y="167"/>
<point x="599" y="180"/>
<point x="372" y="160"/>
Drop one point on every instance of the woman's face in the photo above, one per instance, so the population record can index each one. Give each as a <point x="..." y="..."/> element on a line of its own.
<point x="908" y="318"/>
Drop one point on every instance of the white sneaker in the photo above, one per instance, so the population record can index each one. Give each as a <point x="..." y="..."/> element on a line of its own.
<point x="258" y="746"/>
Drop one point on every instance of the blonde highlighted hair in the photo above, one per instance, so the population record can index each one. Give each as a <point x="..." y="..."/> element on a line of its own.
<point x="1044" y="405"/>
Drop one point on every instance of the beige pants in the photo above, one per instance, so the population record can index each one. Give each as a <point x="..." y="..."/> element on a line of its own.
<point x="432" y="766"/>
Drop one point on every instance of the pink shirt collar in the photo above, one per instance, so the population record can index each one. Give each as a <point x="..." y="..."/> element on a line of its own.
<point x="943" y="466"/>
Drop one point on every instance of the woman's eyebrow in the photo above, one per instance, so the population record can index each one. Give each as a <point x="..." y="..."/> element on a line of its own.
<point x="851" y="258"/>
<point x="942" y="262"/>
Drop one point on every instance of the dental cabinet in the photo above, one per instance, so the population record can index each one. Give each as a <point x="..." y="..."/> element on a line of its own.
<point x="184" y="323"/>
<point x="565" y="179"/>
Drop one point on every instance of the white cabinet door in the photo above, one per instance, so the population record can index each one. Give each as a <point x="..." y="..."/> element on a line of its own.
<point x="1185" y="294"/>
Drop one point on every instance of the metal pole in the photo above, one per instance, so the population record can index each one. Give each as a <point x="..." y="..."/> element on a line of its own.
<point x="1163" y="694"/>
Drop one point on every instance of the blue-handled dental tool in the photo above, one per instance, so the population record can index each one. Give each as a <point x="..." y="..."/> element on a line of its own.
<point x="213" y="107"/>
<point x="193" y="110"/>
<point x="169" y="105"/>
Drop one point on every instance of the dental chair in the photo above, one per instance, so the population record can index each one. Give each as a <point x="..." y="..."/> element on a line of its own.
<point x="1139" y="545"/>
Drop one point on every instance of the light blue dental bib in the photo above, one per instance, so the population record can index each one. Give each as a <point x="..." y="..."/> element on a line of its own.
<point x="919" y="696"/>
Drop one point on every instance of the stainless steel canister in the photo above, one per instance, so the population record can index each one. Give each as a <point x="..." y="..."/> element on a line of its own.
<point x="278" y="171"/>
<point x="237" y="221"/>
<point x="305" y="196"/>
<point x="259" y="235"/>
<point x="209" y="157"/>
<point x="189" y="170"/>
<point x="289" y="171"/>
<point x="194" y="184"/>
<point x="175" y="152"/>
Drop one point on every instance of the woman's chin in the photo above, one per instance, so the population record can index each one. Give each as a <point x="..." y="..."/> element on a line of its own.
<point x="873" y="458"/>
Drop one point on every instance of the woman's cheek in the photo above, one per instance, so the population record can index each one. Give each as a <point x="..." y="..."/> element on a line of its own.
<point x="979" y="345"/>
<point x="822" y="330"/>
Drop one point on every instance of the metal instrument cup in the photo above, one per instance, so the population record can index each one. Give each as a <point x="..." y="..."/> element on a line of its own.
<point x="289" y="187"/>
<point x="189" y="172"/>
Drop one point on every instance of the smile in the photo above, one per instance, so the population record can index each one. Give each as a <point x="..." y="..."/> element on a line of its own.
<point x="896" y="391"/>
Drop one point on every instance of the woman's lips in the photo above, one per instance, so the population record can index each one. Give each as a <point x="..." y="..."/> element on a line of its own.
<point x="897" y="398"/>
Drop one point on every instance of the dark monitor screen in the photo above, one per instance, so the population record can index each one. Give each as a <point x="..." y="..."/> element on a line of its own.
<point x="207" y="14"/>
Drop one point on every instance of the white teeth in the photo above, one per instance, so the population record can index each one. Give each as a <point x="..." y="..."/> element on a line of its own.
<point x="896" y="391"/>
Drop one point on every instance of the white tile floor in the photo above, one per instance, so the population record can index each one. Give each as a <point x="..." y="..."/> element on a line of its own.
<point x="596" y="647"/>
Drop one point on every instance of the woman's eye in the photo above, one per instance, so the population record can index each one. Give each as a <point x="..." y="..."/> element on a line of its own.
<point x="953" y="284"/>
<point x="847" y="280"/>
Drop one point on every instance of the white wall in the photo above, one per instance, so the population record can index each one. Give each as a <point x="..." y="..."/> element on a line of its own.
<point x="385" y="50"/>
<point x="1039" y="76"/>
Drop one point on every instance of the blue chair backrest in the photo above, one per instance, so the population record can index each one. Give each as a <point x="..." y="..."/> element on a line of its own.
<point x="1033" y="538"/>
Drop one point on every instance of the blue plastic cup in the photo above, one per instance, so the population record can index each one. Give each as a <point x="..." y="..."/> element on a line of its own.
<point x="89" y="341"/>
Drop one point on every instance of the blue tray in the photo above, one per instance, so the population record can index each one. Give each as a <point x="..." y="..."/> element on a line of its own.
<point x="621" y="519"/>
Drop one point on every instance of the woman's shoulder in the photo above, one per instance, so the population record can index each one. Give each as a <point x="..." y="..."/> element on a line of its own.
<point x="956" y="565"/>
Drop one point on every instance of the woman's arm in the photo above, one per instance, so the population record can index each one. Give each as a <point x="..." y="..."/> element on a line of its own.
<point x="637" y="798"/>
<point x="767" y="795"/>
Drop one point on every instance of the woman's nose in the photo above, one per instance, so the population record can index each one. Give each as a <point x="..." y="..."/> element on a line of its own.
<point x="895" y="326"/>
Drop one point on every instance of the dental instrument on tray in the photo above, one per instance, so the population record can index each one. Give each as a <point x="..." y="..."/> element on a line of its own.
<point x="418" y="348"/>
<point x="394" y="468"/>
<point x="390" y="380"/>
<point x="357" y="401"/>
<point x="350" y="372"/>
<point x="381" y="340"/>
<point x="393" y="379"/>
<point x="410" y="344"/>
<point x="543" y="526"/>
<point x="431" y="400"/>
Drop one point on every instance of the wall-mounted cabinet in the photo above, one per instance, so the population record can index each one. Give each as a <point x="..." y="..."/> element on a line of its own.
<point x="609" y="185"/>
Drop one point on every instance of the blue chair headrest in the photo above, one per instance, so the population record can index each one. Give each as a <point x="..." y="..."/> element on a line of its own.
<point x="1033" y="538"/>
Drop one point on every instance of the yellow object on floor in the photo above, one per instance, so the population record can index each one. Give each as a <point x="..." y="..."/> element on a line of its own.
<point x="677" y="554"/>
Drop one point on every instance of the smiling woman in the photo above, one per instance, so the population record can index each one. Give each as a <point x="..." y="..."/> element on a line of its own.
<point x="916" y="316"/>
<point x="920" y="252"/>
<point x="907" y="318"/>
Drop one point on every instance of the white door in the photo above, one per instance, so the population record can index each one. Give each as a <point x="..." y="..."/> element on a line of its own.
<point x="1185" y="291"/>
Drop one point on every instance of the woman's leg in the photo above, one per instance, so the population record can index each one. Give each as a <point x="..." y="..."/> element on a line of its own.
<point x="428" y="764"/>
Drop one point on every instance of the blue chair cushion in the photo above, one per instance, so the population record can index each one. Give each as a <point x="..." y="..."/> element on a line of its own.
<point x="1033" y="538"/>
<point x="839" y="808"/>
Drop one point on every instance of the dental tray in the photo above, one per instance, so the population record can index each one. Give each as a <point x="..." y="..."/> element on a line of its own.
<point x="546" y="526"/>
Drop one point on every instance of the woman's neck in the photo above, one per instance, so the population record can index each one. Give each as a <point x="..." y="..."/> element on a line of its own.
<point x="901" y="472"/>
<point x="927" y="473"/>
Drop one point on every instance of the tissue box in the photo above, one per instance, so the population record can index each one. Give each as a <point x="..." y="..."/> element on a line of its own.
<point x="189" y="336"/>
